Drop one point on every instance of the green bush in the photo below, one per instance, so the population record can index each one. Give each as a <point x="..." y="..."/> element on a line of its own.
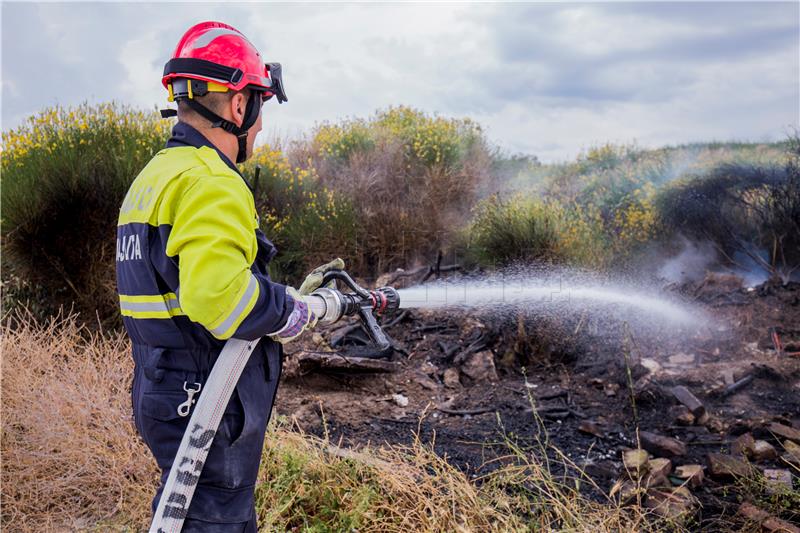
<point x="410" y="180"/>
<point x="65" y="173"/>
<point x="308" y="223"/>
<point x="516" y="230"/>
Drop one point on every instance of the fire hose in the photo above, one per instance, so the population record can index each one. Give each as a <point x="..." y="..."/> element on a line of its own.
<point x="329" y="305"/>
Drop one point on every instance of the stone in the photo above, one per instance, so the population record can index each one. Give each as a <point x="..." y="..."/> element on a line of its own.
<point x="635" y="462"/>
<point x="785" y="432"/>
<point x="743" y="445"/>
<point x="479" y="366"/>
<point x="681" y="415"/>
<point x="602" y="470"/>
<point x="685" y="396"/>
<point x="657" y="471"/>
<point x="425" y="382"/>
<point x="714" y="424"/>
<point x="777" y="481"/>
<point x="765" y="520"/>
<point x="660" y="445"/>
<point x="792" y="453"/>
<point x="400" y="400"/>
<point x="692" y="474"/>
<point x="651" y="365"/>
<point x="763" y="451"/>
<point x="681" y="359"/>
<point x="726" y="466"/>
<point x="451" y="378"/>
<point x="677" y="505"/>
<point x="627" y="490"/>
<point x="591" y="428"/>
<point x="660" y="466"/>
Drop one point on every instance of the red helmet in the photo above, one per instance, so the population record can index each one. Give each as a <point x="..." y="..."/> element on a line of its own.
<point x="215" y="57"/>
<point x="218" y="54"/>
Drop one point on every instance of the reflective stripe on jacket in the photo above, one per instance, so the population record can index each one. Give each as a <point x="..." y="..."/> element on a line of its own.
<point x="191" y="261"/>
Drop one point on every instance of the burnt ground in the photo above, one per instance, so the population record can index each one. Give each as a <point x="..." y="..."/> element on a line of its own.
<point x="469" y="380"/>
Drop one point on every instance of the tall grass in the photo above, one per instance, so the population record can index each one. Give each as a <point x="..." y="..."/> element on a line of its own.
<point x="72" y="461"/>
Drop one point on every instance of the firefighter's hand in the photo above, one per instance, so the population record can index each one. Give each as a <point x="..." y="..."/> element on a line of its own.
<point x="314" y="280"/>
<point x="300" y="319"/>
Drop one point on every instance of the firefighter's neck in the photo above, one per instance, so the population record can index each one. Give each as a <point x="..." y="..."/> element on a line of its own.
<point x="225" y="142"/>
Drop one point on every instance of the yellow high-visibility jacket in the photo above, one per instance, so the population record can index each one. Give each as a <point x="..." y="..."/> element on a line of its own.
<point x="191" y="261"/>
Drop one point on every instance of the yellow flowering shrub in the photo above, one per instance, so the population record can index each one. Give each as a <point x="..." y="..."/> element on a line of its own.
<point x="65" y="172"/>
<point x="308" y="222"/>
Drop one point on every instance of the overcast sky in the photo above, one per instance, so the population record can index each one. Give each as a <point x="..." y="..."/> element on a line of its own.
<point x="544" y="79"/>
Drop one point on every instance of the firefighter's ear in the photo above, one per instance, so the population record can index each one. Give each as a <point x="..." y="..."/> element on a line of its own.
<point x="238" y="107"/>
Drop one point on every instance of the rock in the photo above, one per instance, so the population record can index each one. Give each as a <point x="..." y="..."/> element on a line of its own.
<point x="681" y="359"/>
<point x="661" y="445"/>
<point x="451" y="378"/>
<point x="726" y="466"/>
<point x="727" y="376"/>
<point x="651" y="365"/>
<point x="591" y="428"/>
<point x="426" y="382"/>
<point x="400" y="400"/>
<point x="602" y="470"/>
<point x="635" y="462"/>
<point x="480" y="366"/>
<point x="785" y="432"/>
<point x="685" y="396"/>
<point x="792" y="453"/>
<point x="627" y="490"/>
<point x="714" y="424"/>
<point x="743" y="445"/>
<point x="677" y="505"/>
<point x="763" y="451"/>
<point x="681" y="415"/>
<point x="692" y="474"/>
<point x="766" y="520"/>
<point x="659" y="465"/>
<point x="777" y="481"/>
<point x="658" y="470"/>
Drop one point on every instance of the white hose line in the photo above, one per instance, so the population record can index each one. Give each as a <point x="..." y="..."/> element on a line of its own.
<point x="203" y="424"/>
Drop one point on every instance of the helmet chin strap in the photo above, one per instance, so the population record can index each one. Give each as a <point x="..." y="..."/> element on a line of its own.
<point x="250" y="117"/>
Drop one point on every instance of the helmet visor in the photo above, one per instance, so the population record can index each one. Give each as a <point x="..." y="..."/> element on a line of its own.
<point x="276" y="83"/>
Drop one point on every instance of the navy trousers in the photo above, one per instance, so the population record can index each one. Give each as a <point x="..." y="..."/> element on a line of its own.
<point x="224" y="498"/>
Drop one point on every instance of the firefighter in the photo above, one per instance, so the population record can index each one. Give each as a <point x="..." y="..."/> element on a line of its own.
<point x="192" y="272"/>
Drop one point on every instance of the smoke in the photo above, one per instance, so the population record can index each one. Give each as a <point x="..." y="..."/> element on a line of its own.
<point x="749" y="269"/>
<point x="691" y="264"/>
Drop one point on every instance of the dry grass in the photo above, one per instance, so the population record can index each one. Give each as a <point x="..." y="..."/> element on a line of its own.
<point x="72" y="461"/>
<point x="71" y="457"/>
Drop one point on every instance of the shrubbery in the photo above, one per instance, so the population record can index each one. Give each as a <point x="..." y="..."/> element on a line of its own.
<point x="614" y="203"/>
<point x="65" y="173"/>
<point x="749" y="214"/>
<point x="410" y="179"/>
<point x="386" y="192"/>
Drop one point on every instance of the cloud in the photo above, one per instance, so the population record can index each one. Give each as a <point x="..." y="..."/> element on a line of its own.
<point x="547" y="79"/>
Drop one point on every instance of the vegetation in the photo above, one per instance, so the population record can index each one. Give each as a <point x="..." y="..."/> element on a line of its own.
<point x="65" y="173"/>
<point x="411" y="180"/>
<point x="382" y="192"/>
<point x="72" y="460"/>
